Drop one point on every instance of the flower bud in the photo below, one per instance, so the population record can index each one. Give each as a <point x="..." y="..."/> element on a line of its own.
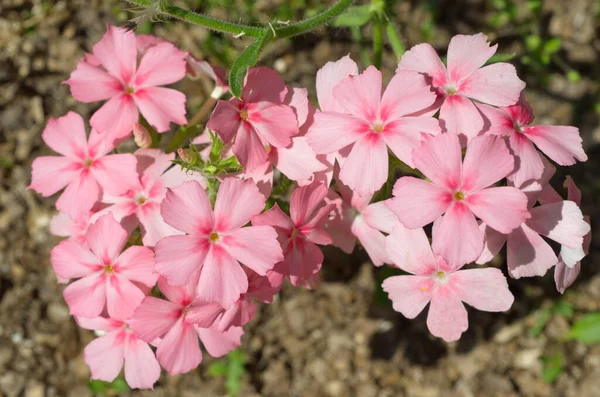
<point x="185" y="155"/>
<point x="141" y="136"/>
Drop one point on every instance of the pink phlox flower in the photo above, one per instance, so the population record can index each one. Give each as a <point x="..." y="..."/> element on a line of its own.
<point x="176" y="324"/>
<point x="64" y="226"/>
<point x="465" y="79"/>
<point x="528" y="254"/>
<point x="129" y="86"/>
<point x="371" y="123"/>
<point x="445" y="287"/>
<point x="85" y="167"/>
<point x="562" y="144"/>
<point x="260" y="288"/>
<point x="216" y="240"/>
<point x="258" y="119"/>
<point x="107" y="277"/>
<point x="141" y="203"/>
<point x="300" y="232"/>
<point x="119" y="347"/>
<point x="461" y="190"/>
<point x="218" y="74"/>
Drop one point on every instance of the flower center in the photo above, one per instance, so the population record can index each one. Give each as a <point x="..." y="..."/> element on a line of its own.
<point x="244" y="114"/>
<point x="459" y="196"/>
<point x="213" y="237"/>
<point x="129" y="90"/>
<point x="87" y="163"/>
<point x="141" y="199"/>
<point x="440" y="275"/>
<point x="109" y="269"/>
<point x="377" y="127"/>
<point x="450" y="90"/>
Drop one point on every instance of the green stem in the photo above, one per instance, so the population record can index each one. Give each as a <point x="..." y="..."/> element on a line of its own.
<point x="397" y="45"/>
<point x="362" y="51"/>
<point x="311" y="23"/>
<point x="377" y="42"/>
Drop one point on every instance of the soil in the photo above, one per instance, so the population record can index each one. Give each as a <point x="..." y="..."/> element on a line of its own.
<point x="338" y="340"/>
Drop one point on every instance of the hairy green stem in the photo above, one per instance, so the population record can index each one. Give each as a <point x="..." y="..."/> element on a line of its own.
<point x="397" y="45"/>
<point x="377" y="42"/>
<point x="313" y="22"/>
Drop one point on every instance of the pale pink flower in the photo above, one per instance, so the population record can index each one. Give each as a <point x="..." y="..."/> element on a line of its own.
<point x="433" y="280"/>
<point x="113" y="73"/>
<point x="141" y="203"/>
<point x="179" y="322"/>
<point x="107" y="277"/>
<point x="371" y="123"/>
<point x="85" y="167"/>
<point x="464" y="79"/>
<point x="300" y="232"/>
<point x="527" y="253"/>
<point x="461" y="190"/>
<point x="119" y="347"/>
<point x="64" y="226"/>
<point x="216" y="242"/>
<point x="562" y="144"/>
<point x="259" y="118"/>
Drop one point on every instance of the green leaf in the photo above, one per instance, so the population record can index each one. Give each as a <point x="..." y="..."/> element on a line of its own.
<point x="563" y="308"/>
<point x="551" y="367"/>
<point x="533" y="42"/>
<point x="586" y="329"/>
<point x="540" y="322"/>
<point x="552" y="46"/>
<point x="573" y="76"/>
<point x="354" y="16"/>
<point x="501" y="58"/>
<point x="218" y="369"/>
<point x="248" y="58"/>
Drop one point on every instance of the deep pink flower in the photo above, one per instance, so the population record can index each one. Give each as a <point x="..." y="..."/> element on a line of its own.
<point x="113" y="73"/>
<point x="460" y="189"/>
<point x="300" y="233"/>
<point x="464" y="79"/>
<point x="119" y="347"/>
<point x="217" y="241"/>
<point x="259" y="118"/>
<point x="107" y="277"/>
<point x="371" y="123"/>
<point x="562" y="144"/>
<point x="85" y="168"/>
<point x="527" y="253"/>
<point x="179" y="322"/>
<point x="144" y="197"/>
<point x="433" y="280"/>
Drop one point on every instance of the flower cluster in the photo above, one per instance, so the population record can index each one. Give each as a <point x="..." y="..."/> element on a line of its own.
<point x="163" y="253"/>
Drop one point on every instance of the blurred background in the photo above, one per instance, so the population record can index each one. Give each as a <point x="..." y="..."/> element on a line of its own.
<point x="343" y="339"/>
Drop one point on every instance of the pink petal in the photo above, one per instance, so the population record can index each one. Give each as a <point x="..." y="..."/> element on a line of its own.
<point x="179" y="258"/>
<point x="493" y="241"/>
<point x="80" y="195"/>
<point x="409" y="294"/>
<point x="573" y="192"/>
<point x="333" y="131"/>
<point x="99" y="323"/>
<point x="417" y="203"/>
<point x="497" y="121"/>
<point x="304" y="261"/>
<point x="380" y="217"/>
<point x="49" y="174"/>
<point x="458" y="238"/>
<point x="86" y="296"/>
<point x="528" y="254"/>
<point x="203" y="314"/>
<point x="484" y="289"/>
<point x="447" y="317"/>
<point x="249" y="149"/>
<point x="276" y="124"/>
<point x="154" y="318"/>
<point x="218" y="343"/>
<point x="66" y="135"/>
<point x="229" y="213"/>
<point x="117" y="51"/>
<point x="254" y="246"/>
<point x="372" y="240"/>
<point x="106" y="237"/>
<point x="160" y="106"/>
<point x="495" y="84"/>
<point x="263" y="85"/>
<point x="122" y="297"/>
<point x="502" y="208"/>
<point x="404" y="135"/>
<point x="460" y="116"/>
<point x="424" y="59"/>
<point x="238" y="315"/>
<point x="154" y="228"/>
<point x="366" y="169"/>
<point x="305" y="200"/>
<point x="116" y="117"/>
<point x="562" y="222"/>
<point x="439" y="158"/>
<point x="410" y="250"/>
<point x="137" y="264"/>
<point x="187" y="208"/>
<point x="273" y="217"/>
<point x="486" y="162"/>
<point x="179" y="351"/>
<point x="466" y="54"/>
<point x="176" y="176"/>
<point x="162" y="64"/>
<point x="297" y="161"/>
<point x="330" y="75"/>
<point x="182" y="295"/>
<point x="561" y="143"/>
<point x="222" y="278"/>
<point x="529" y="164"/>
<point x="141" y="367"/>
<point x="339" y="225"/>
<point x="89" y="83"/>
<point x="407" y="92"/>
<point x="565" y="276"/>
<point x="225" y="120"/>
<point x="104" y="356"/>
<point x="361" y="95"/>
<point x="116" y="173"/>
<point x="73" y="260"/>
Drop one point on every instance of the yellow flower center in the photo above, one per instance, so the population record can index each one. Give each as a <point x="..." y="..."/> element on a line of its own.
<point x="213" y="237"/>
<point x="459" y="196"/>
<point x="109" y="269"/>
<point x="129" y="90"/>
<point x="440" y="275"/>
<point x="377" y="128"/>
<point x="244" y="114"/>
<point x="87" y="163"/>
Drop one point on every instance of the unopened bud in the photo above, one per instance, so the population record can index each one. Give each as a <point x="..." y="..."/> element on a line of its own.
<point x="185" y="155"/>
<point x="141" y="136"/>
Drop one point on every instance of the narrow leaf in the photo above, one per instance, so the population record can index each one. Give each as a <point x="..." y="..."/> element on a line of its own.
<point x="586" y="329"/>
<point x="354" y="16"/>
<point x="248" y="58"/>
<point x="552" y="367"/>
